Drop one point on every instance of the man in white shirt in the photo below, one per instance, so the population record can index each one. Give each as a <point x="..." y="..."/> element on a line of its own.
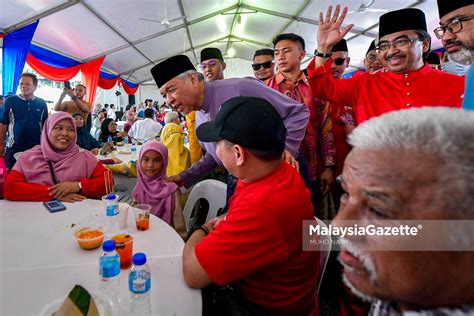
<point x="111" y="112"/>
<point x="146" y="129"/>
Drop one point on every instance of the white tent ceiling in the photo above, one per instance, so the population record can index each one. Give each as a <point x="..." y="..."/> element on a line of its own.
<point x="87" y="29"/>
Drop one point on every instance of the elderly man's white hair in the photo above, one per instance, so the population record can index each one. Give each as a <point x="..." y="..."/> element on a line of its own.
<point x="439" y="132"/>
<point x="170" y="116"/>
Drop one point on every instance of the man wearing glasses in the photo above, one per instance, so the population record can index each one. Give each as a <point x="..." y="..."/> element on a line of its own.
<point x="212" y="64"/>
<point x="457" y="34"/>
<point x="408" y="82"/>
<point x="372" y="62"/>
<point x="263" y="65"/>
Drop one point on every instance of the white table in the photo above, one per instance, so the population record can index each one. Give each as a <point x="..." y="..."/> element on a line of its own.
<point x="41" y="261"/>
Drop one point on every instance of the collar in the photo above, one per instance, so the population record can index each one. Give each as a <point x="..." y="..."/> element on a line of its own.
<point x="21" y="97"/>
<point x="279" y="78"/>
<point x="423" y="71"/>
<point x="209" y="88"/>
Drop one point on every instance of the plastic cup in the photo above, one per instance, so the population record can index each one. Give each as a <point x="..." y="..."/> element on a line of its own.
<point x="142" y="216"/>
<point x="123" y="214"/>
<point x="124" y="247"/>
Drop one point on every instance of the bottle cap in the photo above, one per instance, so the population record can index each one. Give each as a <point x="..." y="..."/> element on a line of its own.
<point x="108" y="245"/>
<point x="111" y="196"/>
<point x="139" y="259"/>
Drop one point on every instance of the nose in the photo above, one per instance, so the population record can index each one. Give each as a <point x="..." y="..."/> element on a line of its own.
<point x="448" y="36"/>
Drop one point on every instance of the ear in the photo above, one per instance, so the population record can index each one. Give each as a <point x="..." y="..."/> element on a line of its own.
<point x="302" y="54"/>
<point x="240" y="155"/>
<point x="348" y="61"/>
<point x="224" y="65"/>
<point x="426" y="45"/>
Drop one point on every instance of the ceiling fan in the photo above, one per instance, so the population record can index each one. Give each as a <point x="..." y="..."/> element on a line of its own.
<point x="365" y="7"/>
<point x="165" y="20"/>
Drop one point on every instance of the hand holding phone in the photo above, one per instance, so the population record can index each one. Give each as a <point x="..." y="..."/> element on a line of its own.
<point x="54" y="206"/>
<point x="67" y="85"/>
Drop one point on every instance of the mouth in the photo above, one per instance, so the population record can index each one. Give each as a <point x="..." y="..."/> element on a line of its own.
<point x="63" y="141"/>
<point x="452" y="47"/>
<point x="395" y="60"/>
<point x="352" y="263"/>
<point x="208" y="75"/>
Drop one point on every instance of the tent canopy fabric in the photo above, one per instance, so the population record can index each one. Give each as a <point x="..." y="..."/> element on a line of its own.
<point x="84" y="30"/>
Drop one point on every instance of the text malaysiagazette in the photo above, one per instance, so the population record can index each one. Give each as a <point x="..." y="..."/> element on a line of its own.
<point x="370" y="230"/>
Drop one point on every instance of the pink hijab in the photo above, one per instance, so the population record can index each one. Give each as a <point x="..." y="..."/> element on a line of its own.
<point x="154" y="190"/>
<point x="131" y="116"/>
<point x="70" y="164"/>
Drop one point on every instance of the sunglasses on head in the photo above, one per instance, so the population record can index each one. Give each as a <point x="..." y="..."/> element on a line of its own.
<point x="265" y="65"/>
<point x="339" y="61"/>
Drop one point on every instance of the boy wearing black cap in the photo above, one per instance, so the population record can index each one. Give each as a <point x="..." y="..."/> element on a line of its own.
<point x="212" y="64"/>
<point x="457" y="34"/>
<point x="403" y="41"/>
<point x="372" y="61"/>
<point x="257" y="247"/>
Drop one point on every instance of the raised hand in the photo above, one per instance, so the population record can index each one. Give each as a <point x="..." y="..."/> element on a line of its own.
<point x="329" y="29"/>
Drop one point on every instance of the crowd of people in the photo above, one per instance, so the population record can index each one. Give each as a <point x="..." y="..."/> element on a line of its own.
<point x="395" y="141"/>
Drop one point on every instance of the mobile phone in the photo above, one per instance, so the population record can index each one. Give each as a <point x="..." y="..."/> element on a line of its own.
<point x="54" y="206"/>
<point x="67" y="85"/>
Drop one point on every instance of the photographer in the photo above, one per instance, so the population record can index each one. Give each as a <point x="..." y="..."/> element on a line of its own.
<point x="77" y="103"/>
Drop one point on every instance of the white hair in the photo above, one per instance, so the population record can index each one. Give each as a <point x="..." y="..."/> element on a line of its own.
<point x="443" y="133"/>
<point x="184" y="75"/>
<point x="170" y="116"/>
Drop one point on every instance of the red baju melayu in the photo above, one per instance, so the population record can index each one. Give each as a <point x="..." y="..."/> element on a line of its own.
<point x="374" y="94"/>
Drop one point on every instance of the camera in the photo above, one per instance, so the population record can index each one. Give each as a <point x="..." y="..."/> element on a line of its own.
<point x="117" y="93"/>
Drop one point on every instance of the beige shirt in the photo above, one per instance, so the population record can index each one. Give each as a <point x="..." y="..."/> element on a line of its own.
<point x="72" y="107"/>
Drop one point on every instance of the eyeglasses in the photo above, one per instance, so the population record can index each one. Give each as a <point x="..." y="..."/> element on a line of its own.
<point x="455" y="26"/>
<point x="339" y="61"/>
<point x="211" y="63"/>
<point x="371" y="58"/>
<point x="265" y="65"/>
<point x="398" y="43"/>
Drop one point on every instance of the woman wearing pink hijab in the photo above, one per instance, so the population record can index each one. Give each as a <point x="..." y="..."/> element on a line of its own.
<point x="151" y="188"/>
<point x="57" y="168"/>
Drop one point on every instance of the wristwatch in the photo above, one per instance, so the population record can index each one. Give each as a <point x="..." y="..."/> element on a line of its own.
<point x="74" y="98"/>
<point x="323" y="55"/>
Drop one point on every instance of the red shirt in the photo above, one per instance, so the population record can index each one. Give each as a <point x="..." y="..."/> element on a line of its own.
<point x="17" y="189"/>
<point x="374" y="94"/>
<point x="342" y="116"/>
<point x="258" y="247"/>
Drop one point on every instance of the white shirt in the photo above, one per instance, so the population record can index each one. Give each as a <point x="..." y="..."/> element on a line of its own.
<point x="145" y="130"/>
<point x="111" y="114"/>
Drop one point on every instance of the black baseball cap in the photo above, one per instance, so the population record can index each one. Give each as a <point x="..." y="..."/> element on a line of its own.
<point x="250" y="122"/>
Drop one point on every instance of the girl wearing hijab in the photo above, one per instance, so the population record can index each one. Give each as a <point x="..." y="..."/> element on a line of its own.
<point x="173" y="138"/>
<point x="151" y="188"/>
<point x="130" y="117"/>
<point x="84" y="138"/>
<point x="109" y="128"/>
<point x="57" y="168"/>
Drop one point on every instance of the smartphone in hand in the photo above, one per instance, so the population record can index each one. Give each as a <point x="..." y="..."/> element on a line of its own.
<point x="67" y="85"/>
<point x="54" y="206"/>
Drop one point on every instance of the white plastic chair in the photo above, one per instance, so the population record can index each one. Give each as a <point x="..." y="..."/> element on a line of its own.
<point x="325" y="245"/>
<point x="213" y="191"/>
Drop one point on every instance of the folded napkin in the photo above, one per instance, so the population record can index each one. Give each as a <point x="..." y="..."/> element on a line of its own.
<point x="79" y="302"/>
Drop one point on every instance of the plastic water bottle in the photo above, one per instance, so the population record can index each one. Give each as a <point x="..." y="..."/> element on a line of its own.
<point x="109" y="139"/>
<point x="111" y="211"/>
<point x="110" y="270"/>
<point x="139" y="285"/>
<point x="133" y="149"/>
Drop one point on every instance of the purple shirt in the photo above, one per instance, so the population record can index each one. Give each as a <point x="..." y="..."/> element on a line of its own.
<point x="295" y="116"/>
